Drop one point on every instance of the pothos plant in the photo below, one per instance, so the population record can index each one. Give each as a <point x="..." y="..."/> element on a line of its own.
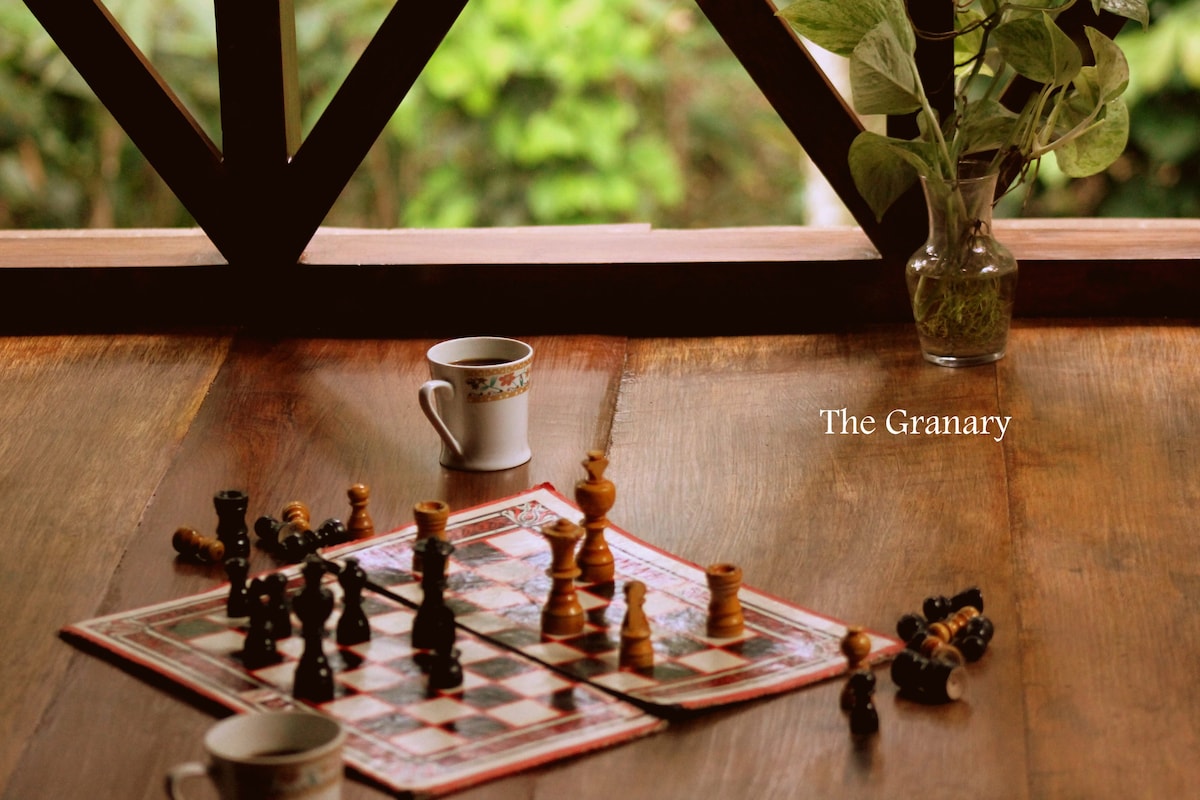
<point x="962" y="282"/>
<point x="1075" y="111"/>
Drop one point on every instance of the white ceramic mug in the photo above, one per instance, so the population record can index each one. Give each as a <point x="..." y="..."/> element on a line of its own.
<point x="273" y="755"/>
<point x="478" y="401"/>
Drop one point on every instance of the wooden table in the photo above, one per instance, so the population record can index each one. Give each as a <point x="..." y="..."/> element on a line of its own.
<point x="1078" y="526"/>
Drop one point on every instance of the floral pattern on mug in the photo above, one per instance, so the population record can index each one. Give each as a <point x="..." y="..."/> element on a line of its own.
<point x="485" y="386"/>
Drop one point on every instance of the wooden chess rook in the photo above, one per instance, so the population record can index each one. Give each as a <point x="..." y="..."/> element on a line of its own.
<point x="231" y="506"/>
<point x="431" y="517"/>
<point x="595" y="495"/>
<point x="725" y="619"/>
<point x="562" y="614"/>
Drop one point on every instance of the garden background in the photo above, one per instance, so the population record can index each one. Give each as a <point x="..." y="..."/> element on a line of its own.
<point x="537" y="112"/>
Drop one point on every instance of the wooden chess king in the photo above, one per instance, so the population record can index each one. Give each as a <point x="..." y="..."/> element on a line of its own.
<point x="595" y="496"/>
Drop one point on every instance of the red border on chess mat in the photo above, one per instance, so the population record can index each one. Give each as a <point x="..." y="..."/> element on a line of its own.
<point x="496" y="584"/>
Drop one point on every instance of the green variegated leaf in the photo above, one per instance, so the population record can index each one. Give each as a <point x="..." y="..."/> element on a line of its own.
<point x="884" y="168"/>
<point x="1095" y="150"/>
<point x="1136" y="10"/>
<point x="986" y="125"/>
<point x="883" y="78"/>
<point x="1038" y="49"/>
<point x="1111" y="70"/>
<point x="969" y="39"/>
<point x="838" y="25"/>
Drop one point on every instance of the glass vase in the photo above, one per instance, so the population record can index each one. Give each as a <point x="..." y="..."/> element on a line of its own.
<point x="961" y="281"/>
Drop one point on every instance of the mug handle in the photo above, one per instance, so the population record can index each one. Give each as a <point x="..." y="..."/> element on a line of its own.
<point x="426" y="398"/>
<point x="181" y="772"/>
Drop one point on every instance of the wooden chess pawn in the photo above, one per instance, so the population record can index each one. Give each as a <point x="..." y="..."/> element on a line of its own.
<point x="725" y="619"/>
<point x="856" y="646"/>
<point x="191" y="545"/>
<point x="431" y="517"/>
<point x="636" y="650"/>
<point x="562" y="614"/>
<point x="595" y="495"/>
<point x="360" y="524"/>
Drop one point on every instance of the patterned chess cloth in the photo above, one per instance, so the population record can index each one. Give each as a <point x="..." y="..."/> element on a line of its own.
<point x="526" y="698"/>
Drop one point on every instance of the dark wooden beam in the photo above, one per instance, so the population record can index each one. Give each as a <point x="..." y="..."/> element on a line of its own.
<point x="812" y="109"/>
<point x="171" y="140"/>
<point x="360" y="109"/>
<point x="260" y="121"/>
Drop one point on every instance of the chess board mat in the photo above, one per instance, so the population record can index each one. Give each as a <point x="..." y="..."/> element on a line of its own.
<point x="526" y="699"/>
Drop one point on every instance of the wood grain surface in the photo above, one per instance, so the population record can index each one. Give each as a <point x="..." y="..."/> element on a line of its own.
<point x="1077" y="525"/>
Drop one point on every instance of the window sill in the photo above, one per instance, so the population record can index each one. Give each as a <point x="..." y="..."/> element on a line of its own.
<point x="627" y="279"/>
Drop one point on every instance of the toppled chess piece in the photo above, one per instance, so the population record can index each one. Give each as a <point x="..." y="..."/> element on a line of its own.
<point x="952" y="633"/>
<point x="927" y="680"/>
<point x="292" y="539"/>
<point x="195" y="547"/>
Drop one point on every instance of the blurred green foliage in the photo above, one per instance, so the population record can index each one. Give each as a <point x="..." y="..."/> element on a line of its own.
<point x="1159" y="174"/>
<point x="531" y="112"/>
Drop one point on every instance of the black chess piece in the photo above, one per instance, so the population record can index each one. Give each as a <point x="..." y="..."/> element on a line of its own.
<point x="313" y="605"/>
<point x="353" y="626"/>
<point x="267" y="530"/>
<point x="331" y="532"/>
<point x="231" y="506"/>
<point x="927" y="680"/>
<point x="297" y="542"/>
<point x="445" y="670"/>
<point x="433" y="626"/>
<point x="277" y="604"/>
<point x="864" y="718"/>
<point x="258" y="649"/>
<point x="238" y="604"/>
